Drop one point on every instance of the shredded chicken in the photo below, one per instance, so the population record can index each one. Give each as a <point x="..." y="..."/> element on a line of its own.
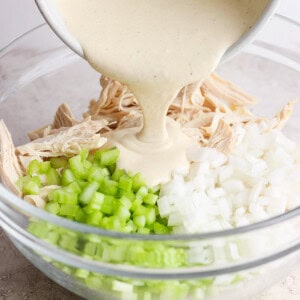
<point x="224" y="95"/>
<point x="222" y="138"/>
<point x="207" y="113"/>
<point x="63" y="118"/>
<point x="67" y="141"/>
<point x="10" y="170"/>
<point x="284" y="115"/>
<point x="197" y="108"/>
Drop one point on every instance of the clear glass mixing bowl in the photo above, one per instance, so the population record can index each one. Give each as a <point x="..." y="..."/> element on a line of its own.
<point x="37" y="74"/>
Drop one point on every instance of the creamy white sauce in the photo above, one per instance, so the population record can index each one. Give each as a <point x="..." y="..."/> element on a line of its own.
<point x="156" y="47"/>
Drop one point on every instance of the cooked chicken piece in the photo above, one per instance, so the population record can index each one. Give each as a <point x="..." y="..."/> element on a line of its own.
<point x="222" y="138"/>
<point x="10" y="170"/>
<point x="284" y="115"/>
<point x="133" y="119"/>
<point x="63" y="118"/>
<point x="39" y="133"/>
<point x="67" y="141"/>
<point x="224" y="95"/>
<point x="41" y="199"/>
<point x="116" y="102"/>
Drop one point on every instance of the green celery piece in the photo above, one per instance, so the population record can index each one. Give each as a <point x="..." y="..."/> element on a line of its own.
<point x="118" y="173"/>
<point x="138" y="182"/>
<point x="96" y="174"/>
<point x="52" y="177"/>
<point x="149" y="214"/>
<point x="160" y="228"/>
<point x="84" y="153"/>
<point x="109" y="157"/>
<point x="31" y="187"/>
<point x="73" y="187"/>
<point x="97" y="201"/>
<point x="52" y="207"/>
<point x="139" y="221"/>
<point x="34" y="168"/>
<point x="39" y="229"/>
<point x="81" y="273"/>
<point x="90" y="248"/>
<point x="112" y="168"/>
<point x="80" y="216"/>
<point x="114" y="223"/>
<point x="67" y="177"/>
<point x="122" y="213"/>
<point x="109" y="187"/>
<point x="143" y="230"/>
<point x="63" y="197"/>
<point x="88" y="192"/>
<point x="77" y="167"/>
<point x="68" y="210"/>
<point x="150" y="199"/>
<point x="94" y="218"/>
<point x="59" y="162"/>
<point x="125" y="202"/>
<point x="53" y="237"/>
<point x="106" y="172"/>
<point x="125" y="183"/>
<point x="69" y="242"/>
<point x="108" y="204"/>
<point x="45" y="167"/>
<point x="142" y="192"/>
<point x="136" y="204"/>
<point x="130" y="227"/>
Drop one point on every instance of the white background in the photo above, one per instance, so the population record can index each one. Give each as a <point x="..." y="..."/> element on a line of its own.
<point x="18" y="16"/>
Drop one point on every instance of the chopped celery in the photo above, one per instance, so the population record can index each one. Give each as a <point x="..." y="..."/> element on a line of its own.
<point x="118" y="174"/>
<point x="125" y="183"/>
<point x="139" y="221"/>
<point x="34" y="167"/>
<point x="52" y="207"/>
<point x="52" y="177"/>
<point x="93" y="191"/>
<point x="94" y="218"/>
<point x="31" y="187"/>
<point x="59" y="162"/>
<point x="77" y="167"/>
<point x="108" y="204"/>
<point x="150" y="199"/>
<point x="109" y="187"/>
<point x="160" y="228"/>
<point x="109" y="157"/>
<point x="67" y="177"/>
<point x="68" y="210"/>
<point x="138" y="182"/>
<point x="88" y="192"/>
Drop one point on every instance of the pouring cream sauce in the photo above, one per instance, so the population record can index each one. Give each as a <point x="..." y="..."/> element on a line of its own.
<point x="156" y="47"/>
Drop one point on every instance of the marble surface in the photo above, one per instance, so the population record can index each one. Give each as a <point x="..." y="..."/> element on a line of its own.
<point x="19" y="280"/>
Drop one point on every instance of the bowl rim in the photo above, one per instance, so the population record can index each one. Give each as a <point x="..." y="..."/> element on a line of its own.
<point x="12" y="200"/>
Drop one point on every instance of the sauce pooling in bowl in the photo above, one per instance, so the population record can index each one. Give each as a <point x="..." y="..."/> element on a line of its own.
<point x="156" y="47"/>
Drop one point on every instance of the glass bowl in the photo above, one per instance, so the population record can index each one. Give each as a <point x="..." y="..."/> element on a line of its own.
<point x="38" y="73"/>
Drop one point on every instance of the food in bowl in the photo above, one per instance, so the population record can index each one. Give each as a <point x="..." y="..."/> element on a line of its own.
<point x="242" y="170"/>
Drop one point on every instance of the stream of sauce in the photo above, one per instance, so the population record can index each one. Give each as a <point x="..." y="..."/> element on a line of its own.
<point x="156" y="47"/>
